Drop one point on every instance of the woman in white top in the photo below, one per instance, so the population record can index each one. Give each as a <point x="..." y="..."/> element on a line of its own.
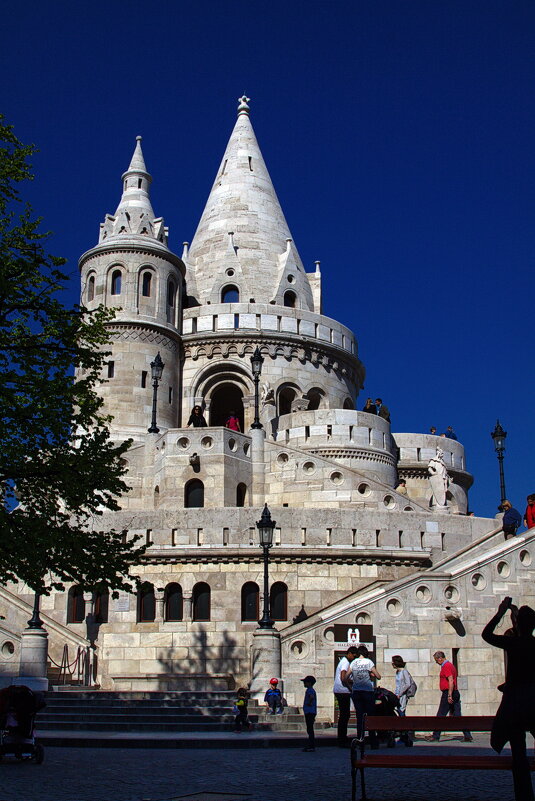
<point x="361" y="672"/>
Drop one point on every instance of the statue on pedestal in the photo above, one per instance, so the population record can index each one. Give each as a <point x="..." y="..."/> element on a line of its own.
<point x="438" y="478"/>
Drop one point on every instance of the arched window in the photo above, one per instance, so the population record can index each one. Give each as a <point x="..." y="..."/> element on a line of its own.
<point x="75" y="605"/>
<point x="171" y="294"/>
<point x="250" y="601"/>
<point x="315" y="397"/>
<point x="230" y="294"/>
<point x="116" y="279"/>
<point x="290" y="299"/>
<point x="241" y="494"/>
<point x="146" y="603"/>
<point x="146" y="282"/>
<point x="102" y="598"/>
<point x="91" y="288"/>
<point x="201" y="602"/>
<point x="278" y="601"/>
<point x="284" y="400"/>
<point x="348" y="404"/>
<point x="194" y="494"/>
<point x="173" y="602"/>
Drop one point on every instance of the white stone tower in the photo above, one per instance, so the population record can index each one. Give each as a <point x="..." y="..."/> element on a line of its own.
<point x="132" y="270"/>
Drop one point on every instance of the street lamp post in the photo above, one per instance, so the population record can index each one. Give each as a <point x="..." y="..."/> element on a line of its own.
<point x="499" y="435"/>
<point x="256" y="364"/>
<point x="156" y="370"/>
<point x="265" y="528"/>
<point x="35" y="621"/>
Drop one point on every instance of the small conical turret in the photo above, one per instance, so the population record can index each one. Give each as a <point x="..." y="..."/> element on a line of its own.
<point x="134" y="215"/>
<point x="242" y="238"/>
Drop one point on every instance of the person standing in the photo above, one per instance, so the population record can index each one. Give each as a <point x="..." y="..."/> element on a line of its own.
<point x="516" y="713"/>
<point x="382" y="410"/>
<point x="404" y="682"/>
<point x="241" y="720"/>
<point x="233" y="422"/>
<point x="343" y="693"/>
<point x="529" y="516"/>
<point x="511" y="519"/>
<point x="450" y="699"/>
<point x="369" y="407"/>
<point x="450" y="433"/>
<point x="196" y="418"/>
<point x="310" y="708"/>
<point x="361" y="672"/>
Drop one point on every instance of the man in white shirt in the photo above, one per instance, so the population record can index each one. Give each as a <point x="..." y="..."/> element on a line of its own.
<point x="343" y="693"/>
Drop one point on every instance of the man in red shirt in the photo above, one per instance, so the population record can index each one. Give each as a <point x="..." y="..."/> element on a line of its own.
<point x="450" y="700"/>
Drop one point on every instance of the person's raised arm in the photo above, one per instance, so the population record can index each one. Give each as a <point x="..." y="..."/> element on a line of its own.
<point x="488" y="632"/>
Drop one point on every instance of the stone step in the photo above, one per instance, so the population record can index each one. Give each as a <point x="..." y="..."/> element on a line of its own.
<point x="95" y="695"/>
<point x="82" y="726"/>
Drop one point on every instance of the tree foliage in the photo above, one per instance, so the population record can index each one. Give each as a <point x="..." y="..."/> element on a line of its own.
<point x="58" y="466"/>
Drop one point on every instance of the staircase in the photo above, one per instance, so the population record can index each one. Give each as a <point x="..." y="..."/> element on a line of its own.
<point x="166" y="712"/>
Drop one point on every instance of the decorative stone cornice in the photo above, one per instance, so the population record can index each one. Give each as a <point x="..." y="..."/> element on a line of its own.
<point x="135" y="244"/>
<point x="353" y="453"/>
<point x="139" y="332"/>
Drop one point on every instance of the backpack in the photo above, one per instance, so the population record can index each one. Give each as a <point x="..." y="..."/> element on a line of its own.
<point x="411" y="692"/>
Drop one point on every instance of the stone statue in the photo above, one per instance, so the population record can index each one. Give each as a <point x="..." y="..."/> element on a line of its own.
<point x="438" y="478"/>
<point x="267" y="395"/>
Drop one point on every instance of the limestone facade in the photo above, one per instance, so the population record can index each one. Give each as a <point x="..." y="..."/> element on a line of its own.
<point x="348" y="549"/>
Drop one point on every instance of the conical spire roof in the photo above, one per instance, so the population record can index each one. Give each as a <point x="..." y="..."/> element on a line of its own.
<point x="134" y="216"/>
<point x="243" y="233"/>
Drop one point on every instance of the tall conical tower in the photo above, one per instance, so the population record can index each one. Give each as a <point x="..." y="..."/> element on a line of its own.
<point x="246" y="288"/>
<point x="132" y="270"/>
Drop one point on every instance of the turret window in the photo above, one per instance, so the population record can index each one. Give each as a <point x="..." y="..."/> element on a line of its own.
<point x="116" y="280"/>
<point x="201" y="602"/>
<point x="230" y="294"/>
<point x="290" y="299"/>
<point x="91" y="288"/>
<point x="146" y="282"/>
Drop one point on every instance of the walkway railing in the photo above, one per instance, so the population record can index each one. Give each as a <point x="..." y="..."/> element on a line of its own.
<point x="82" y="670"/>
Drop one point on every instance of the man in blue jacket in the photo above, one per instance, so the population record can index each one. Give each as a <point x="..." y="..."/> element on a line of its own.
<point x="511" y="520"/>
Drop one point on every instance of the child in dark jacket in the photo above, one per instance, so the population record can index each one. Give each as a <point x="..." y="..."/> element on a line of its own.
<point x="310" y="708"/>
<point x="273" y="698"/>
<point x="242" y="720"/>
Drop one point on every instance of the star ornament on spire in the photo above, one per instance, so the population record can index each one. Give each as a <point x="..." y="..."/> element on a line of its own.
<point x="243" y="104"/>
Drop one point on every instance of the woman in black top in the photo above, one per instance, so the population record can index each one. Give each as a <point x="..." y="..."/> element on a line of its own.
<point x="516" y="713"/>
<point x="196" y="418"/>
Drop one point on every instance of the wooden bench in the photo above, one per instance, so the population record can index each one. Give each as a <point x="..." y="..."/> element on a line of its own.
<point x="361" y="759"/>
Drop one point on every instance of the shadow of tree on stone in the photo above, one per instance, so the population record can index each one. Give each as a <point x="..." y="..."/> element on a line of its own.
<point x="206" y="665"/>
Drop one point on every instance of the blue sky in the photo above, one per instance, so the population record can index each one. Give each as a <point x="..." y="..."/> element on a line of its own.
<point x="400" y="138"/>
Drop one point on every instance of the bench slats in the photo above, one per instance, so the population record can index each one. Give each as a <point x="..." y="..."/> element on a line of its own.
<point x="450" y="761"/>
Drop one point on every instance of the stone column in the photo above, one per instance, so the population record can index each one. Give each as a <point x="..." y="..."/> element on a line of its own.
<point x="265" y="661"/>
<point x="258" y="436"/>
<point x="33" y="659"/>
<point x="159" y="598"/>
<point x="187" y="606"/>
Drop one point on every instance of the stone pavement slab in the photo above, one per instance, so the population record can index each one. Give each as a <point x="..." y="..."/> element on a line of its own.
<point x="260" y="774"/>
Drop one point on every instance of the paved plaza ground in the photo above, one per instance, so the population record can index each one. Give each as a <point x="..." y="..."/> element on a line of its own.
<point x="236" y="774"/>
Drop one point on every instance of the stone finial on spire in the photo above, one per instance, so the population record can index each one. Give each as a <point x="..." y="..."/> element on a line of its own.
<point x="243" y="105"/>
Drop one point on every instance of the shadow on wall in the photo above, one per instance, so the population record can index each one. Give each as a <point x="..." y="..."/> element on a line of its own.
<point x="203" y="660"/>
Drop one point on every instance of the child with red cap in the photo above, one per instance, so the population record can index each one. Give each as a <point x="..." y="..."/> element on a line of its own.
<point x="273" y="698"/>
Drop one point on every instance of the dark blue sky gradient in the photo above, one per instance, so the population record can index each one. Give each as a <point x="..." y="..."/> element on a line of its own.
<point x="400" y="139"/>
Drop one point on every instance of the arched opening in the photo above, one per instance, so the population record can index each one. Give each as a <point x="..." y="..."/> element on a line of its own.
<point x="290" y="299"/>
<point x="315" y="397"/>
<point x="278" y="601"/>
<point x="241" y="494"/>
<point x="91" y="288"/>
<point x="284" y="400"/>
<point x="194" y="494"/>
<point x="250" y="602"/>
<point x="171" y="301"/>
<point x="348" y="404"/>
<point x="75" y="605"/>
<point x="146" y="603"/>
<point x="201" y="602"/>
<point x="102" y="599"/>
<point x="146" y="284"/>
<point x="226" y="398"/>
<point x="173" y="602"/>
<point x="116" y="280"/>
<point x="230" y="294"/>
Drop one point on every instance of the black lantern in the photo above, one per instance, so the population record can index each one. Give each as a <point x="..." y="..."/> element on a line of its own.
<point x="499" y="435"/>
<point x="265" y="528"/>
<point x="156" y="370"/>
<point x="257" y="361"/>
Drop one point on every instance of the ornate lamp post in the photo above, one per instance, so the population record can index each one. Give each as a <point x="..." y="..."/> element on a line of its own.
<point x="265" y="528"/>
<point x="256" y="363"/>
<point x="35" y="621"/>
<point x="156" y="370"/>
<point x="499" y="435"/>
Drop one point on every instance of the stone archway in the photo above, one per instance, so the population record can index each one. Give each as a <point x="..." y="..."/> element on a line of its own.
<point x="226" y="397"/>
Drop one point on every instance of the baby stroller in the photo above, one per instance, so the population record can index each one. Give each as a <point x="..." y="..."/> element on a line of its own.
<point x="18" y="707"/>
<point x="387" y="704"/>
